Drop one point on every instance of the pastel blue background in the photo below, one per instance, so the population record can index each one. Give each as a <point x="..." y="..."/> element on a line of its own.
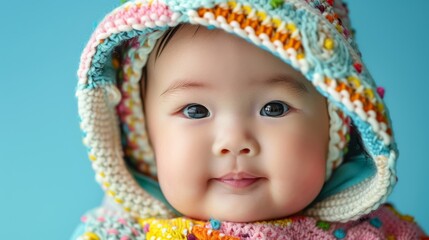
<point x="46" y="181"/>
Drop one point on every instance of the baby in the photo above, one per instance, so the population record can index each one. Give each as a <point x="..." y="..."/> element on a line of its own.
<point x="235" y="120"/>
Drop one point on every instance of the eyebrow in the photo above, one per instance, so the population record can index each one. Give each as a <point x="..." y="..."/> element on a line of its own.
<point x="183" y="85"/>
<point x="288" y="81"/>
<point x="285" y="80"/>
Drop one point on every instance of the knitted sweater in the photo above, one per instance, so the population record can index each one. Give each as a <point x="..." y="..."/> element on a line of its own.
<point x="384" y="223"/>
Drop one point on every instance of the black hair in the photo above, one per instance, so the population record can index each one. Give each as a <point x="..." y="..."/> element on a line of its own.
<point x="168" y="35"/>
<point x="163" y="41"/>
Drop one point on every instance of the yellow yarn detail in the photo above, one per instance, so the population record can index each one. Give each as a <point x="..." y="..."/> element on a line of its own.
<point x="127" y="209"/>
<point x="339" y="28"/>
<point x="282" y="222"/>
<point x="277" y="22"/>
<point x="92" y="157"/>
<point x="407" y="218"/>
<point x="106" y="184"/>
<point x="369" y="93"/>
<point x="129" y="88"/>
<point x="102" y="174"/>
<point x="118" y="200"/>
<point x="129" y="71"/>
<point x="300" y="56"/>
<point x="90" y="236"/>
<point x="179" y="228"/>
<point x="354" y="80"/>
<point x="176" y="228"/>
<point x="232" y="4"/>
<point x="291" y="27"/>
<point x="111" y="193"/>
<point x="261" y="15"/>
<point x="329" y="44"/>
<point x="380" y="107"/>
<point x="247" y="9"/>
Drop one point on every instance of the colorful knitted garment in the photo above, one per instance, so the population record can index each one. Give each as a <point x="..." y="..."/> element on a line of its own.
<point x="384" y="223"/>
<point x="312" y="36"/>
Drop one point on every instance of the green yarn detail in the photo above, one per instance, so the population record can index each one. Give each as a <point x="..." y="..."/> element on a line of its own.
<point x="276" y="3"/>
<point x="323" y="225"/>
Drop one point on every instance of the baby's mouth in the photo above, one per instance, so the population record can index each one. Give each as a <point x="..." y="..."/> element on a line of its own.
<point x="239" y="180"/>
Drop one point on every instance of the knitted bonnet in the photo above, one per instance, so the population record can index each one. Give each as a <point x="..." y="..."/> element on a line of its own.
<point x="312" y="36"/>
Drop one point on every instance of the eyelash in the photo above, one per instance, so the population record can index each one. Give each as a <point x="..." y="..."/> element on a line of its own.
<point x="204" y="112"/>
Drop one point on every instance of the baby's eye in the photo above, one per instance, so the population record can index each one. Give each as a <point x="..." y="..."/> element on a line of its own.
<point x="196" y="111"/>
<point x="274" y="109"/>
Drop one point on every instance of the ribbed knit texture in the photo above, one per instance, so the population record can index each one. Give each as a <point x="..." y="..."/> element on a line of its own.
<point x="384" y="223"/>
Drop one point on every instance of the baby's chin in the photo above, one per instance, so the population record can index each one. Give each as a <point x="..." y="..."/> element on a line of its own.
<point x="242" y="215"/>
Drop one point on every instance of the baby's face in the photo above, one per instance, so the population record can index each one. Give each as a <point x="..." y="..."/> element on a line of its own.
<point x="238" y="135"/>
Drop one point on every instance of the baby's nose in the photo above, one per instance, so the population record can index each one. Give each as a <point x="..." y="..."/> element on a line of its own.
<point x="238" y="144"/>
<point x="243" y="151"/>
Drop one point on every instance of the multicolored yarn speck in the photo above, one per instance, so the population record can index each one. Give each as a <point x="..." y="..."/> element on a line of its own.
<point x="312" y="36"/>
<point x="385" y="223"/>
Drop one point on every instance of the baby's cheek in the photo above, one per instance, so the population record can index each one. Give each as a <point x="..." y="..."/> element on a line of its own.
<point x="300" y="157"/>
<point x="180" y="173"/>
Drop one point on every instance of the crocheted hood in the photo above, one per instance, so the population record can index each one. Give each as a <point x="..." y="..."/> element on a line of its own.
<point x="312" y="36"/>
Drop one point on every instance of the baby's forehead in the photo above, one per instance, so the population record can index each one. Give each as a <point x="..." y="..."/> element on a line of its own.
<point x="194" y="56"/>
<point x="216" y="48"/>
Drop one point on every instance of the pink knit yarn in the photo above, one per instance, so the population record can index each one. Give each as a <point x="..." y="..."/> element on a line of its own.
<point x="380" y="224"/>
<point x="384" y="223"/>
<point x="124" y="19"/>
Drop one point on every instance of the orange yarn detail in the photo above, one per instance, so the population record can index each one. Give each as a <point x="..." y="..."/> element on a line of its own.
<point x="282" y="37"/>
<point x="330" y="18"/>
<point x="222" y="12"/>
<point x="369" y="107"/>
<point x="354" y="97"/>
<point x="342" y="86"/>
<point x="369" y="104"/>
<point x="236" y="17"/>
<point x="265" y="29"/>
<point x="203" y="233"/>
<point x="202" y="11"/>
<point x="335" y="18"/>
<point x="250" y="22"/>
<point x="297" y="45"/>
<point x="381" y="117"/>
<point x="269" y="29"/>
<point x="116" y="63"/>
<point x="327" y="81"/>
<point x="289" y="44"/>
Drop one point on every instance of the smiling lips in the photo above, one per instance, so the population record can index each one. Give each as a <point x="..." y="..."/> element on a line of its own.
<point x="238" y="180"/>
